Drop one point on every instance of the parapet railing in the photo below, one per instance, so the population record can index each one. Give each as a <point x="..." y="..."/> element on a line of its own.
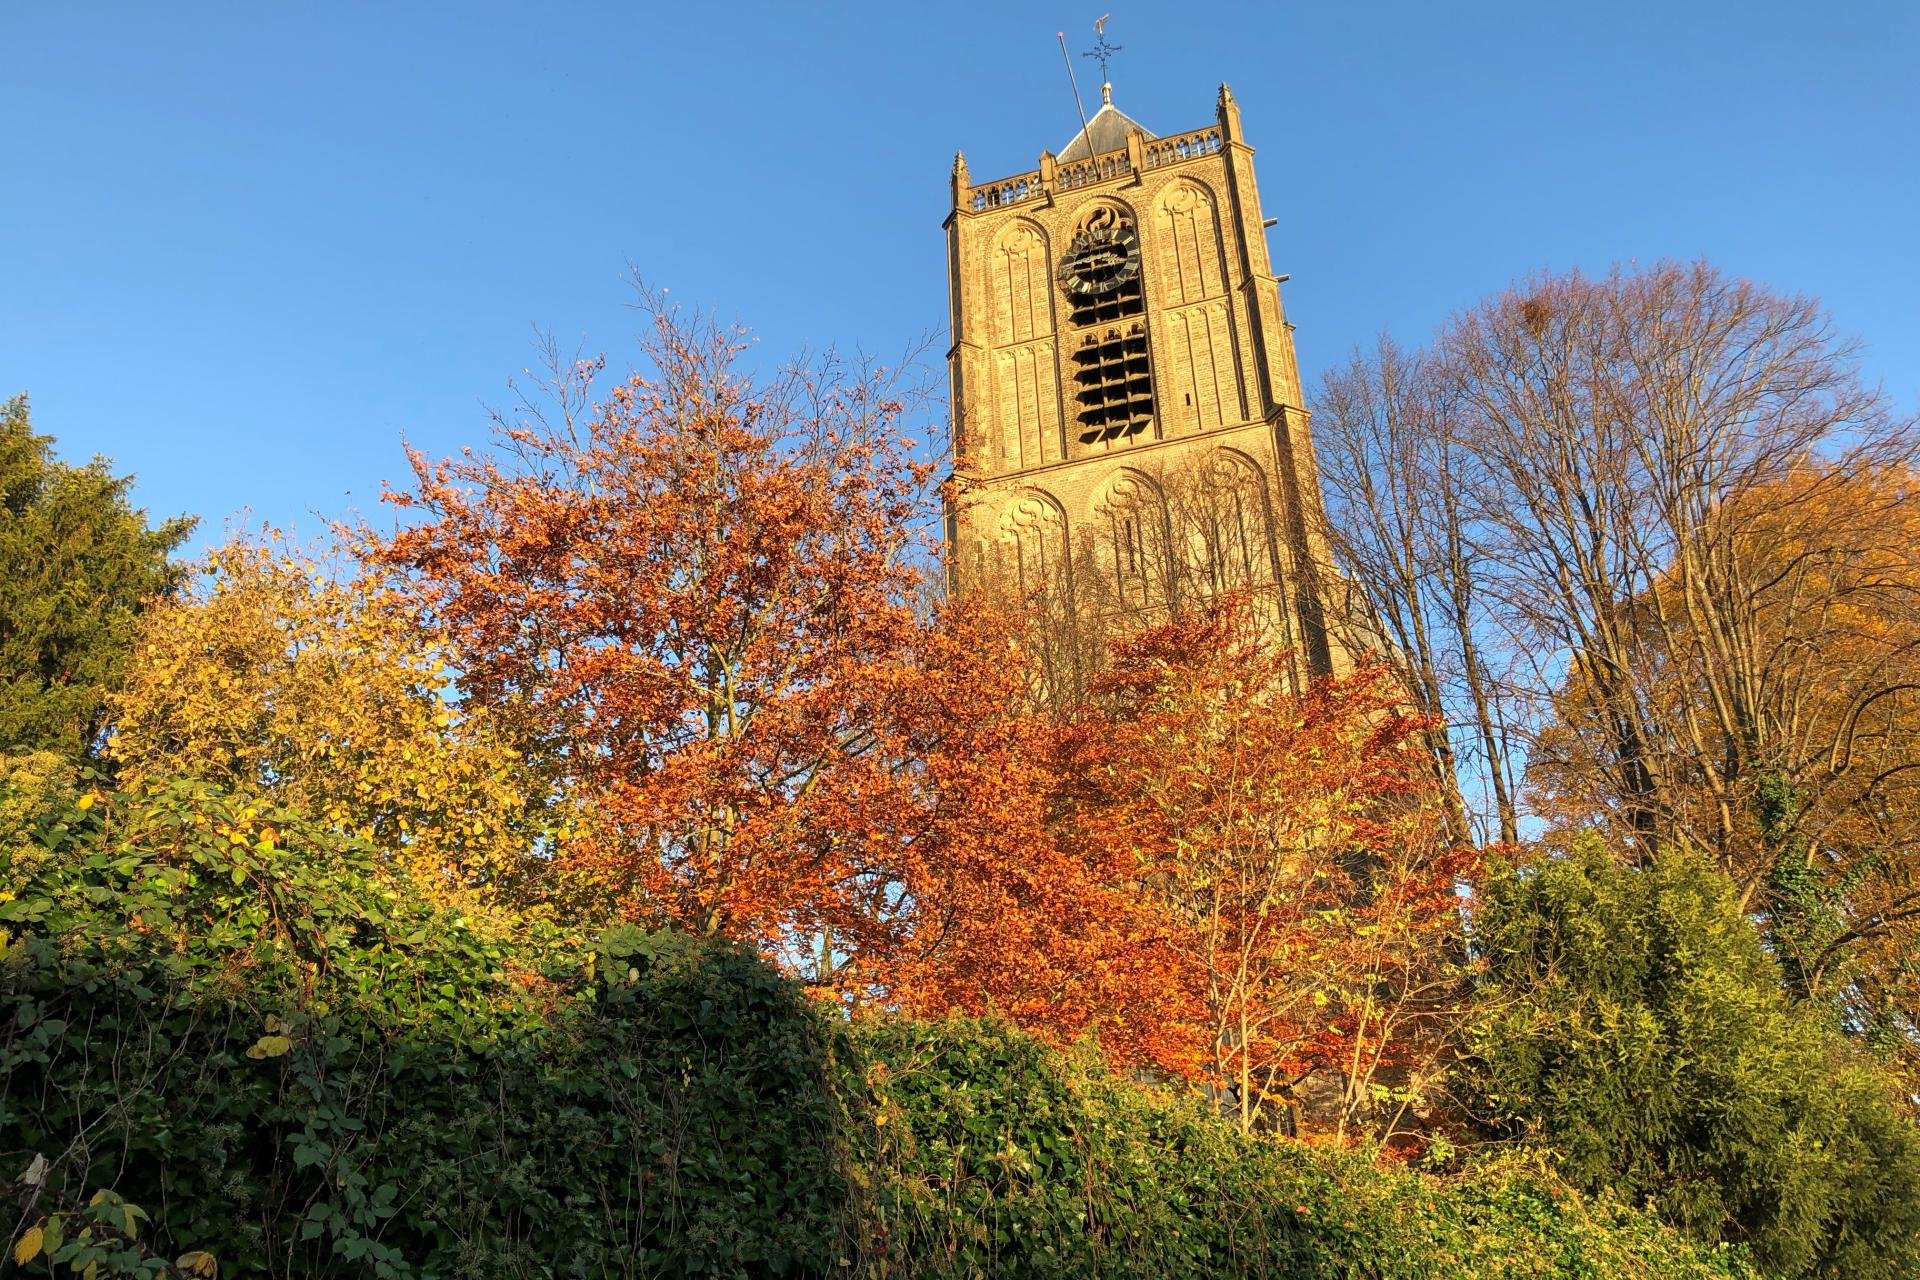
<point x="1183" y="146"/>
<point x="1160" y="152"/>
<point x="1020" y="186"/>
<point x="1101" y="168"/>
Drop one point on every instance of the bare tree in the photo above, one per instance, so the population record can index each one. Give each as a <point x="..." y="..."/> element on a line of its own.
<point x="1649" y="539"/>
<point x="1656" y="523"/>
<point x="1393" y="475"/>
<point x="1614" y="427"/>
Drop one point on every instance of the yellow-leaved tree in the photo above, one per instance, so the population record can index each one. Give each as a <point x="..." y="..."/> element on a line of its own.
<point x="290" y="674"/>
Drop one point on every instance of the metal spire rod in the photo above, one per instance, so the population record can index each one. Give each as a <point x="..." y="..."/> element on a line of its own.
<point x="1072" y="80"/>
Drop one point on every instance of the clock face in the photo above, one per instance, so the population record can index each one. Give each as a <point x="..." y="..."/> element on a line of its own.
<point x="1100" y="260"/>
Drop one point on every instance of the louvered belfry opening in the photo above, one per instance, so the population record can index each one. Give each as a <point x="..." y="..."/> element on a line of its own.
<point x="1123" y="301"/>
<point x="1112" y="377"/>
<point x="1112" y="383"/>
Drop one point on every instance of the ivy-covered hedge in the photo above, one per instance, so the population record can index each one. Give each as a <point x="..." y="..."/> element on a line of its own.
<point x="234" y="1021"/>
<point x="229" y="1035"/>
<point x="998" y="1157"/>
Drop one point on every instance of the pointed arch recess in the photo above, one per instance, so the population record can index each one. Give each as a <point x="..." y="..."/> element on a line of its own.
<point x="1190" y="258"/>
<point x="1187" y="243"/>
<point x="1022" y="283"/>
<point x="1230" y="530"/>
<point x="1130" y="525"/>
<point x="1033" y="543"/>
<point x="1025" y="366"/>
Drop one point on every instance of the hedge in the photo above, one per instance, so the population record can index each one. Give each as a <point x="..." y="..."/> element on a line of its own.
<point x="229" y="1035"/>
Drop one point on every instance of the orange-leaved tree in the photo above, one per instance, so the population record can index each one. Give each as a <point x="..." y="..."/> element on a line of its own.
<point x="1018" y="900"/>
<point x="698" y="598"/>
<point x="1297" y="850"/>
<point x="700" y="603"/>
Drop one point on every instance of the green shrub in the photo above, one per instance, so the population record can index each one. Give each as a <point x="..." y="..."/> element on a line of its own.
<point x="1632" y="1025"/>
<point x="236" y="1022"/>
<point x="239" y="1025"/>
<point x="998" y="1157"/>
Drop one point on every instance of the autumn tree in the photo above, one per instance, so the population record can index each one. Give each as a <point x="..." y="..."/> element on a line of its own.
<point x="1818" y="578"/>
<point x="1282" y="826"/>
<point x="1609" y="421"/>
<point x="700" y="602"/>
<point x="694" y="602"/>
<point x="78" y="564"/>
<point x="1650" y="535"/>
<point x="1024" y="891"/>
<point x="1296" y="852"/>
<point x="292" y="676"/>
<point x="1673" y="499"/>
<point x="1501" y="499"/>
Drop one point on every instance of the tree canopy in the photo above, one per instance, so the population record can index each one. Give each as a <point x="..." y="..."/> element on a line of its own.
<point x="1630" y="1022"/>
<point x="634" y="853"/>
<point x="78" y="564"/>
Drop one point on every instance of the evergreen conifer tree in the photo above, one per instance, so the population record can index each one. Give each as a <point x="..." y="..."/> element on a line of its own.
<point x="77" y="563"/>
<point x="1631" y="1022"/>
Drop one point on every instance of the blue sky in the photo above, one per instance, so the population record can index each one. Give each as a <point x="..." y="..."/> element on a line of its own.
<point x="246" y="248"/>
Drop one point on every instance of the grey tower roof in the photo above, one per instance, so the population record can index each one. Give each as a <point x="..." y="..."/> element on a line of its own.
<point x="1107" y="131"/>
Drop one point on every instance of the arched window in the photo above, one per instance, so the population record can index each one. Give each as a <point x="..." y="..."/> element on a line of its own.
<point x="1033" y="540"/>
<point x="1132" y="523"/>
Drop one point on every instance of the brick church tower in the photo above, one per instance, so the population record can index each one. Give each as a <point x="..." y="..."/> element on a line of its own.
<point x="1128" y="421"/>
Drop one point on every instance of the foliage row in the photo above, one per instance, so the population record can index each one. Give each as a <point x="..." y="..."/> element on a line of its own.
<point x="226" y="1016"/>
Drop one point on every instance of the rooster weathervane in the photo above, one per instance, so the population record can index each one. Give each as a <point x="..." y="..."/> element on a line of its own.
<point x="1102" y="52"/>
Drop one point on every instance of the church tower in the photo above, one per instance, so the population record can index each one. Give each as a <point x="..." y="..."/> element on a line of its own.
<point x="1128" y="422"/>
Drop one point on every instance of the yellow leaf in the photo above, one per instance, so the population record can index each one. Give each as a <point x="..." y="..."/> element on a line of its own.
<point x="85" y="801"/>
<point x="270" y="1047"/>
<point x="198" y="1263"/>
<point x="29" y="1247"/>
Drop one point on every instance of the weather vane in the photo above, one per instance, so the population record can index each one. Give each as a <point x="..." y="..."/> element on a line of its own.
<point x="1101" y="52"/>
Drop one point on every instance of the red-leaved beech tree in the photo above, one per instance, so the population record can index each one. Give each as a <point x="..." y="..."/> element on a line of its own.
<point x="699" y="606"/>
